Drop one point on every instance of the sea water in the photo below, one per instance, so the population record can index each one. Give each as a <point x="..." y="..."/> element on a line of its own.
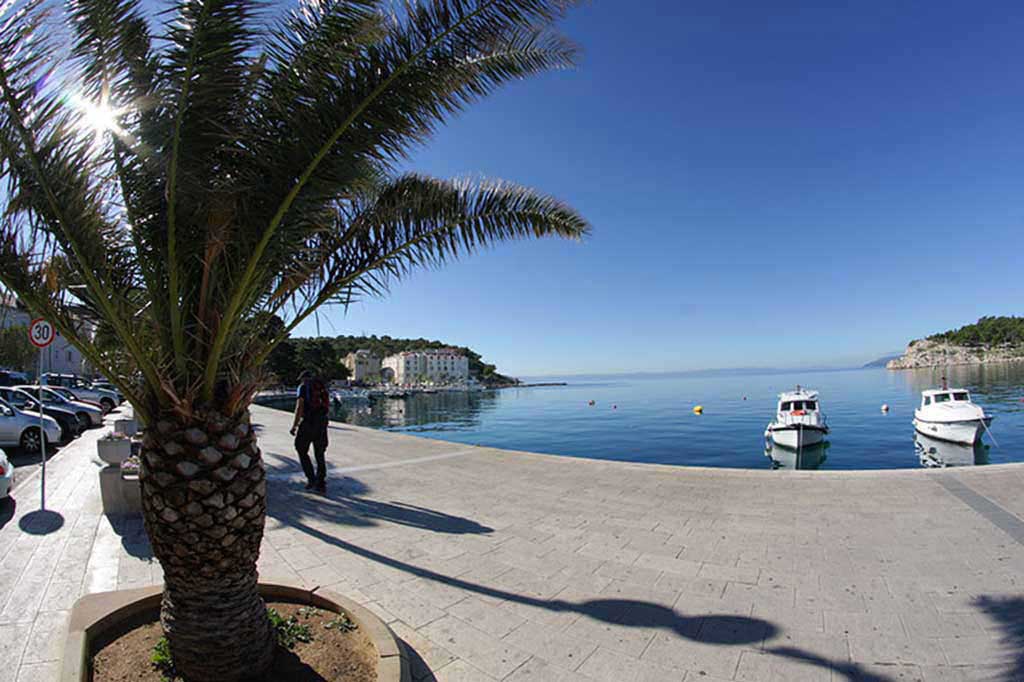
<point x="650" y="418"/>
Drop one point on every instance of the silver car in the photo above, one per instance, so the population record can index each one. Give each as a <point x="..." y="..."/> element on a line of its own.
<point x="82" y="389"/>
<point x="6" y="475"/>
<point x="20" y="429"/>
<point x="87" y="413"/>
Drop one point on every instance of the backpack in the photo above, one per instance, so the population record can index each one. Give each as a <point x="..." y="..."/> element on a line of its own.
<point x="318" y="398"/>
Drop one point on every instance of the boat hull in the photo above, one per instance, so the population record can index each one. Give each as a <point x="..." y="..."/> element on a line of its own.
<point x="966" y="432"/>
<point x="796" y="437"/>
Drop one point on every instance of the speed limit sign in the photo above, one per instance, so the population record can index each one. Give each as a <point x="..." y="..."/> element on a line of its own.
<point x="41" y="333"/>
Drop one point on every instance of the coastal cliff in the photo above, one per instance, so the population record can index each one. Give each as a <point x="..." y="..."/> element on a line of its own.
<point x="989" y="340"/>
<point x="927" y="353"/>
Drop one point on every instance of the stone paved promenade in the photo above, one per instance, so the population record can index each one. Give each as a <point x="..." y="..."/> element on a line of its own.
<point x="496" y="565"/>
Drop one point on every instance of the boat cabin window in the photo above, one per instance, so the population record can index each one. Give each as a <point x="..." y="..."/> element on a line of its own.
<point x="960" y="395"/>
<point x="927" y="400"/>
<point x="786" y="407"/>
<point x="810" y="405"/>
<point x="942" y="397"/>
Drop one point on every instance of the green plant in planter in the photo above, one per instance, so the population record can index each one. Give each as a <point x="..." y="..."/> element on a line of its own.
<point x="289" y="630"/>
<point x="161" y="660"/>
<point x="131" y="466"/>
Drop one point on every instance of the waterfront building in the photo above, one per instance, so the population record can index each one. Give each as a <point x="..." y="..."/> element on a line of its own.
<point x="60" y="356"/>
<point x="363" y="365"/>
<point x="418" y="366"/>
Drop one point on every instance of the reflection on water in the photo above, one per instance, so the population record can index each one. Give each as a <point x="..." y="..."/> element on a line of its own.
<point x="940" y="453"/>
<point x="808" y="457"/>
<point x="441" y="411"/>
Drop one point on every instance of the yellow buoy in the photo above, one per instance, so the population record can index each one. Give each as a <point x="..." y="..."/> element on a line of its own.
<point x="699" y="409"/>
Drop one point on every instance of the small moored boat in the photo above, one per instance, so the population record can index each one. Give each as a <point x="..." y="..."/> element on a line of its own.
<point x="798" y="421"/>
<point x="948" y="414"/>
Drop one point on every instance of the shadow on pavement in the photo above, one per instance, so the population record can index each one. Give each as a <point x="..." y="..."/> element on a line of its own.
<point x="711" y="629"/>
<point x="1008" y="614"/>
<point x="132" y="531"/>
<point x="41" y="522"/>
<point x="345" y="503"/>
<point x="7" y="509"/>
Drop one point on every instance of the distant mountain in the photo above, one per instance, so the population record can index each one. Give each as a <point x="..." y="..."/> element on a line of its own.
<point x="883" y="361"/>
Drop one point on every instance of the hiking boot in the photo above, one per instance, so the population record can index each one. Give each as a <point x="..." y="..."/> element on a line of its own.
<point x="321" y="488"/>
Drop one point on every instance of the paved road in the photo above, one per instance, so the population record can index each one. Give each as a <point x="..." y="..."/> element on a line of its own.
<point x="496" y="565"/>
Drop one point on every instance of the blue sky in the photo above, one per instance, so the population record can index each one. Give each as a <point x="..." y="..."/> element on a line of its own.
<point x="770" y="184"/>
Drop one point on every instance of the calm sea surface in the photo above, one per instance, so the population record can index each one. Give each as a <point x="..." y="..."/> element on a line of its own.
<point x="650" y="419"/>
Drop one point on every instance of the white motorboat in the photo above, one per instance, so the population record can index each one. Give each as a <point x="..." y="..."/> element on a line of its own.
<point x="799" y="421"/>
<point x="948" y="414"/>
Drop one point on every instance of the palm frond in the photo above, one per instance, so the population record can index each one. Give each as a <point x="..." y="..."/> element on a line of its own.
<point x="413" y="222"/>
<point x="225" y="184"/>
<point x="388" y="97"/>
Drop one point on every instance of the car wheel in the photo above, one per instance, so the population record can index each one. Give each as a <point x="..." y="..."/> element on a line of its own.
<point x="83" y="421"/>
<point x="31" y="441"/>
<point x="107" y="404"/>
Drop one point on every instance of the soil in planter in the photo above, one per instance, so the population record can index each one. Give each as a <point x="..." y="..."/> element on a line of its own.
<point x="334" y="654"/>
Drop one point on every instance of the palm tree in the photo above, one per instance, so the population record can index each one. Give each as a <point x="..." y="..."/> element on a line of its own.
<point x="179" y="194"/>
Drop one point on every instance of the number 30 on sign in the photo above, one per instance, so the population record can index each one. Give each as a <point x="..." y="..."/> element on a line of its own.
<point x="41" y="333"/>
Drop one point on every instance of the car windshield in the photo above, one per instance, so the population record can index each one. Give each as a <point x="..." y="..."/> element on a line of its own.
<point x="65" y="393"/>
<point x="20" y="399"/>
<point x="51" y="396"/>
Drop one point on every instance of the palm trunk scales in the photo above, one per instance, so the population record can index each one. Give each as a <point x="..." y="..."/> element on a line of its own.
<point x="204" y="504"/>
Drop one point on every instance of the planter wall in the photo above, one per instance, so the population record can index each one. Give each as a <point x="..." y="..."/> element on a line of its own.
<point x="121" y="496"/>
<point x="128" y="427"/>
<point x="95" y="616"/>
<point x="114" y="450"/>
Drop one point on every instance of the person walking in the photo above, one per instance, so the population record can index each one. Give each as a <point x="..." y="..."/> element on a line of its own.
<point x="310" y="428"/>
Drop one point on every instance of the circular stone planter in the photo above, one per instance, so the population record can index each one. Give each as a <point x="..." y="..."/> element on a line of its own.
<point x="97" y="615"/>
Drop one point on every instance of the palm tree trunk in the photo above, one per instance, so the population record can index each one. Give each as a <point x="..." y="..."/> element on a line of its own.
<point x="204" y="504"/>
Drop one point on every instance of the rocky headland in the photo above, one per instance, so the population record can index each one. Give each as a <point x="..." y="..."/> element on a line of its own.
<point x="935" y="353"/>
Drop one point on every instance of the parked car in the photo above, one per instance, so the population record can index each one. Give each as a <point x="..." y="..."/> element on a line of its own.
<point x="68" y="420"/>
<point x="82" y="389"/>
<point x="87" y="413"/>
<point x="21" y="429"/>
<point x="6" y="475"/>
<point x="8" y="377"/>
<point x="107" y="386"/>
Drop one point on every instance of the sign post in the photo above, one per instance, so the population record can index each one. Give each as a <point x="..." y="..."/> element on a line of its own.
<point x="41" y="333"/>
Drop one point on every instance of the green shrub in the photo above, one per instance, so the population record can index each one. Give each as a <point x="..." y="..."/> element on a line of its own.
<point x="289" y="630"/>
<point x="161" y="660"/>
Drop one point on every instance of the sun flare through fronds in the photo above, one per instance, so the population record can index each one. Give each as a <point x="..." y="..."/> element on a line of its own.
<point x="97" y="118"/>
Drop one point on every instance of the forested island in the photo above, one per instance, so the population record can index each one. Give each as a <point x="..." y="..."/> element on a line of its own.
<point x="327" y="353"/>
<point x="990" y="339"/>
